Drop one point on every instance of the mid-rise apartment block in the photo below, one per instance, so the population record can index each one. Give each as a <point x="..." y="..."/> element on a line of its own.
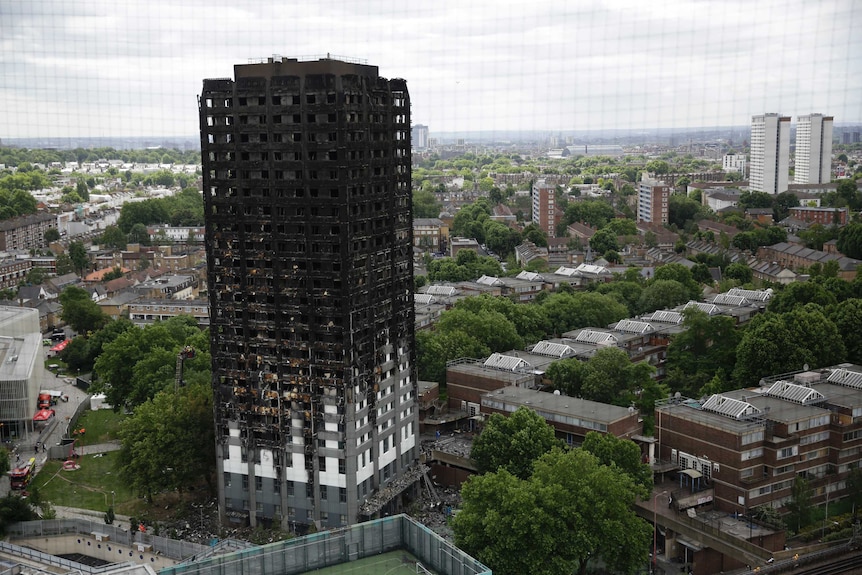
<point x="770" y="153"/>
<point x="653" y="200"/>
<point x="813" y="149"/>
<point x="546" y="212"/>
<point x="734" y="163"/>
<point x="307" y="185"/>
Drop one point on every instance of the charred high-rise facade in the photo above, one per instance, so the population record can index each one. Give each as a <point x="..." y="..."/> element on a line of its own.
<point x="306" y="182"/>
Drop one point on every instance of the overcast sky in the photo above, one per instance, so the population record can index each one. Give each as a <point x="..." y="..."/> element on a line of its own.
<point x="134" y="67"/>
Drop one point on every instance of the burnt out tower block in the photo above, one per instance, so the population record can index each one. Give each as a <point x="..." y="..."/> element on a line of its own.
<point x="306" y="185"/>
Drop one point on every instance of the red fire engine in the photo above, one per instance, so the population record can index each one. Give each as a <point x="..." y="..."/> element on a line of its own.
<point x="23" y="475"/>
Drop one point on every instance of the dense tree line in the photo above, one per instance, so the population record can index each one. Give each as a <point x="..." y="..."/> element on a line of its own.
<point x="183" y="209"/>
<point x="14" y="157"/>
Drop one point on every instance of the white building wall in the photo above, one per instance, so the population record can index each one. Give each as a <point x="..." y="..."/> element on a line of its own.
<point x="770" y="153"/>
<point x="813" y="149"/>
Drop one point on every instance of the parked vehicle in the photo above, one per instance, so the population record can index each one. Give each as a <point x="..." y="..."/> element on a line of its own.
<point x="21" y="476"/>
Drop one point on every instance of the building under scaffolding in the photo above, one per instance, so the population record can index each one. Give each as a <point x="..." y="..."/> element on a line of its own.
<point x="306" y="178"/>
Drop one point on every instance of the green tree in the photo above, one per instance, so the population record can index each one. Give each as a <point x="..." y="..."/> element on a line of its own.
<point x="113" y="237"/>
<point x="13" y="509"/>
<point x="613" y="378"/>
<point x="425" y="204"/>
<point x="82" y="190"/>
<point x="683" y="210"/>
<point x="80" y="311"/>
<point x="161" y="442"/>
<point x="780" y="343"/>
<point x="64" y="264"/>
<point x="594" y="213"/>
<point x="115" y="273"/>
<point x="663" y="294"/>
<point x="658" y="167"/>
<point x="491" y="328"/>
<point x="623" y="454"/>
<point x="513" y="443"/>
<point x="847" y="317"/>
<point x="78" y="255"/>
<point x="530" y="322"/>
<point x="140" y="362"/>
<point x="535" y="234"/>
<point x="51" y="235"/>
<point x="76" y="355"/>
<point x="470" y="219"/>
<point x="571" y="511"/>
<point x="782" y="203"/>
<point x="739" y="272"/>
<point x="435" y="349"/>
<point x="35" y="276"/>
<point x="800" y="505"/>
<point x="680" y="273"/>
<point x="801" y="293"/>
<point x="625" y="291"/>
<point x="604" y="240"/>
<point x="699" y="352"/>
<point x="622" y="227"/>
<point x="752" y="199"/>
<point x="568" y="311"/>
<point x="568" y="375"/>
<point x="850" y="240"/>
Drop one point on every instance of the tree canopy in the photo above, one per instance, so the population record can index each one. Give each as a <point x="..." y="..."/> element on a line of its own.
<point x="571" y="510"/>
<point x="140" y="362"/>
<point x="696" y="354"/>
<point x="607" y="377"/>
<point x="80" y="311"/>
<point x="163" y="441"/>
<point x="513" y="443"/>
<point x="783" y="342"/>
<point x="850" y="240"/>
<point x="623" y="454"/>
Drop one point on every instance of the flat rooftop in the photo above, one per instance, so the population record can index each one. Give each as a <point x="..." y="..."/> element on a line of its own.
<point x="574" y="407"/>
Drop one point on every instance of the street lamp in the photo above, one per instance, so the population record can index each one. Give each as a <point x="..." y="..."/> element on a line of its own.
<point x="655" y="528"/>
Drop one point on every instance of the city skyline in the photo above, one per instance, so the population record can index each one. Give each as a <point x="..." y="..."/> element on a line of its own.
<point x="98" y="69"/>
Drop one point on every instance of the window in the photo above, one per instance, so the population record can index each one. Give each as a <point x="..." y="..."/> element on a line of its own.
<point x="787" y="452"/>
<point x="752" y="437"/>
<point x="752" y="454"/>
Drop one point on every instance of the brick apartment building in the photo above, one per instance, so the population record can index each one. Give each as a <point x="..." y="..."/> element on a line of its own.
<point x="824" y="216"/>
<point x="794" y="257"/>
<point x="747" y="446"/>
<point x="26" y="232"/>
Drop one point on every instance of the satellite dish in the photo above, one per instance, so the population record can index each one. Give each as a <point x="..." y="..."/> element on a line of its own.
<point x="677" y="395"/>
<point x="805" y="367"/>
<point x="556" y="392"/>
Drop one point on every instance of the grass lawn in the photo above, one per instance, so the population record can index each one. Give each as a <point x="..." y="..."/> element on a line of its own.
<point x="89" y="487"/>
<point x="101" y="425"/>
